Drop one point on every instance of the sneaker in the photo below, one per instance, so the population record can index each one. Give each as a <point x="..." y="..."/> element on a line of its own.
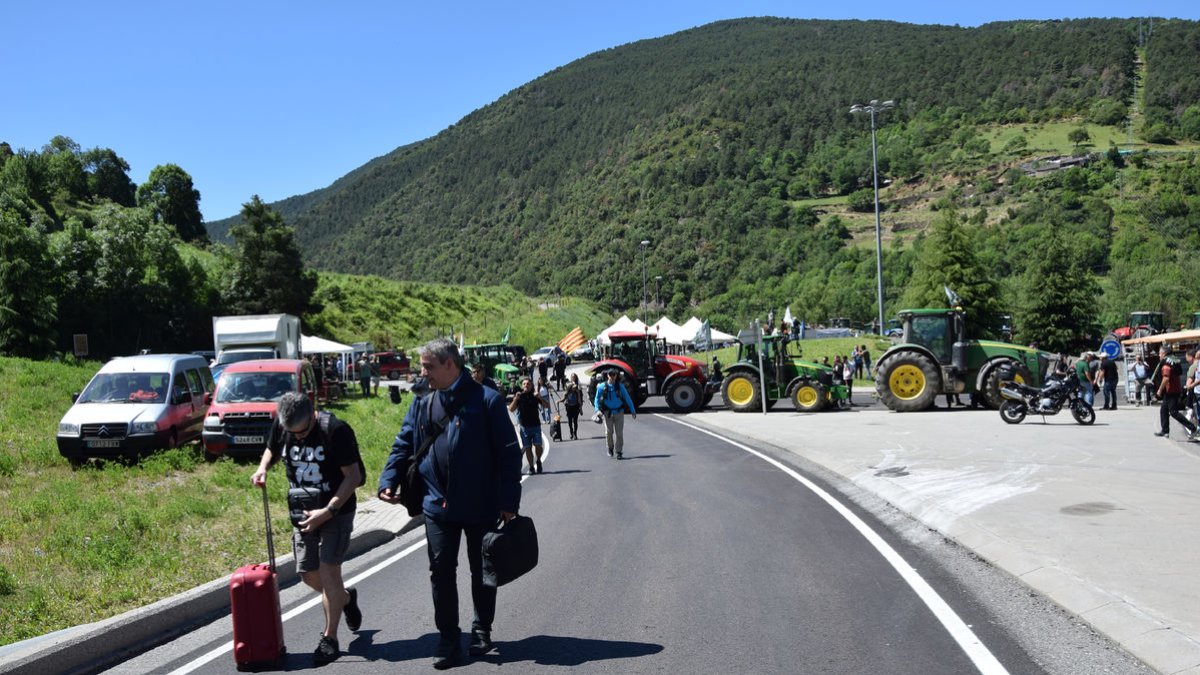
<point x="1160" y="433"/>
<point x="481" y="643"/>
<point x="610" y="452"/>
<point x="620" y="456"/>
<point x="448" y="654"/>
<point x="352" y="612"/>
<point x="327" y="651"/>
<point x="539" y="466"/>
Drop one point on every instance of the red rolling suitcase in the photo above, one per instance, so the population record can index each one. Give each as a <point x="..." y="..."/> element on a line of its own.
<point x="257" y="618"/>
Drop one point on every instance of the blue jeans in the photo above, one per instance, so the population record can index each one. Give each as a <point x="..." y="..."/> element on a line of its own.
<point x="1110" y="395"/>
<point x="1089" y="394"/>
<point x="444" y="538"/>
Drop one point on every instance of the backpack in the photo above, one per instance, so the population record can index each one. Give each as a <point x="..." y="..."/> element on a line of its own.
<point x="326" y="420"/>
<point x="571" y="398"/>
<point x="1177" y="376"/>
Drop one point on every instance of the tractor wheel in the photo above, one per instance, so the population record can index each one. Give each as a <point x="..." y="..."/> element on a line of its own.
<point x="991" y="384"/>
<point x="742" y="392"/>
<point x="907" y="382"/>
<point x="708" y="397"/>
<point x="808" y="396"/>
<point x="684" y="395"/>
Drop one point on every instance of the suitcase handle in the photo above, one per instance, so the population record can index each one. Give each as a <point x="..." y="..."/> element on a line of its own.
<point x="270" y="537"/>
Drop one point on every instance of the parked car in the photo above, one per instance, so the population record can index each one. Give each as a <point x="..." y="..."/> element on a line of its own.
<point x="136" y="404"/>
<point x="392" y="365"/>
<point x="551" y="352"/>
<point x="243" y="409"/>
<point x="583" y="353"/>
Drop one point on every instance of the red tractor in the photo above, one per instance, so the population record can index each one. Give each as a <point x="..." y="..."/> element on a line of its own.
<point x="648" y="370"/>
<point x="1141" y="324"/>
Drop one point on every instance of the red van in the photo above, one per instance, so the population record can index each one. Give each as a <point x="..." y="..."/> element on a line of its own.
<point x="243" y="408"/>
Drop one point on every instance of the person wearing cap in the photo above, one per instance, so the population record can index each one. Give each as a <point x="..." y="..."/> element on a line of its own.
<point x="1084" y="372"/>
<point x="612" y="400"/>
<point x="1107" y="379"/>
<point x="1140" y="372"/>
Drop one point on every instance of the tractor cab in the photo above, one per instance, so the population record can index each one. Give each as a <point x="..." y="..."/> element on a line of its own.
<point x="637" y="350"/>
<point x="941" y="331"/>
<point x="1195" y="321"/>
<point x="1155" y="321"/>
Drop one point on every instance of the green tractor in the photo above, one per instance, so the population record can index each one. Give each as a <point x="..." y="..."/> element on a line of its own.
<point x="808" y="385"/>
<point x="935" y="357"/>
<point x="497" y="363"/>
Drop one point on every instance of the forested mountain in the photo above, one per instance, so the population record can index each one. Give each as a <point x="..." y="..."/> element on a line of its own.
<point x="713" y="144"/>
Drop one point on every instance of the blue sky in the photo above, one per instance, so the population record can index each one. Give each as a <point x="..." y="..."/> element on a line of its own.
<point x="279" y="98"/>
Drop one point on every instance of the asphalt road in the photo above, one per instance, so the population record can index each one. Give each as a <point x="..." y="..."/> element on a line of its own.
<point x="692" y="554"/>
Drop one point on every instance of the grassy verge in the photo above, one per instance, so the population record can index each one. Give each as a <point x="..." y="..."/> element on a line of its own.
<point x="80" y="546"/>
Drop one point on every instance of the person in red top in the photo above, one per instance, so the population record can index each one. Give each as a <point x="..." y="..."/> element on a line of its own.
<point x="1170" y="390"/>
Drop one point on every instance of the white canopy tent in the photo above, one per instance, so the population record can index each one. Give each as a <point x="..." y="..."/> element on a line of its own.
<point x="692" y="326"/>
<point x="620" y="324"/>
<point x="669" y="330"/>
<point x="311" y="344"/>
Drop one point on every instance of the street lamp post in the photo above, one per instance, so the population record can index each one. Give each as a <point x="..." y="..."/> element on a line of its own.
<point x="658" y="291"/>
<point x="872" y="108"/>
<point x="643" y="245"/>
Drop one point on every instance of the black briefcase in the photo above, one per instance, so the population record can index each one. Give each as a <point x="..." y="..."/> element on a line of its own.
<point x="509" y="551"/>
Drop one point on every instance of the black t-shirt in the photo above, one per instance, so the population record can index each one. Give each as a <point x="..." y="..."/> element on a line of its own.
<point x="528" y="409"/>
<point x="1109" y="368"/>
<point x="317" y="461"/>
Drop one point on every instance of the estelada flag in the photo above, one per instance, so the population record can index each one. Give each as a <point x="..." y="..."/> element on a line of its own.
<point x="573" y="340"/>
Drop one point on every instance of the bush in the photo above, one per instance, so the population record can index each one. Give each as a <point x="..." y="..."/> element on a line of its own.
<point x="862" y="201"/>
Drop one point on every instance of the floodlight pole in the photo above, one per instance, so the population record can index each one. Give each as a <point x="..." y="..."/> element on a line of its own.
<point x="873" y="107"/>
<point x="643" y="245"/>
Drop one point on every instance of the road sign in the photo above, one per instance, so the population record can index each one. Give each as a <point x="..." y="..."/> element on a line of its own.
<point x="1110" y="348"/>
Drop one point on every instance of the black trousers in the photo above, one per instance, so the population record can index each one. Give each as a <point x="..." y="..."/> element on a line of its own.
<point x="1170" y="408"/>
<point x="444" y="538"/>
<point x="573" y="419"/>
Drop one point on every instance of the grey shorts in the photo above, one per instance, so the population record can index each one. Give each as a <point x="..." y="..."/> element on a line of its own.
<point x="327" y="545"/>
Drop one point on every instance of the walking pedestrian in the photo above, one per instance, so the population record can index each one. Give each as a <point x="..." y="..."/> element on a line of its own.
<point x="543" y="369"/>
<point x="573" y="403"/>
<point x="1108" y="381"/>
<point x="612" y="400"/>
<point x="560" y="372"/>
<point x="1170" y="390"/>
<point x="544" y="394"/>
<point x="472" y="476"/>
<point x="527" y="403"/>
<point x="323" y="470"/>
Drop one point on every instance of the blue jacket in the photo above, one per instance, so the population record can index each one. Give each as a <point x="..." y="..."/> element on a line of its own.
<point x="473" y="470"/>
<point x="610" y="400"/>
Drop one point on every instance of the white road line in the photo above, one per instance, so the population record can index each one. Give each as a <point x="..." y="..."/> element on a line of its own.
<point x="316" y="600"/>
<point x="979" y="654"/>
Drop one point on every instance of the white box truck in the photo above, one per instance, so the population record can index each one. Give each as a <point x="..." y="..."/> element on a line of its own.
<point x="259" y="336"/>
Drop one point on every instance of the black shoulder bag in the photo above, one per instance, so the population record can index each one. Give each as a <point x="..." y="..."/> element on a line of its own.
<point x="412" y="484"/>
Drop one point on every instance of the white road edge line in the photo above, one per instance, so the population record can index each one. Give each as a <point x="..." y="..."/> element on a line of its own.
<point x="979" y="654"/>
<point x="316" y="600"/>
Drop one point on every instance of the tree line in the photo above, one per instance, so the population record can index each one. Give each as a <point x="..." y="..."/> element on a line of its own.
<point x="85" y="251"/>
<point x="714" y="143"/>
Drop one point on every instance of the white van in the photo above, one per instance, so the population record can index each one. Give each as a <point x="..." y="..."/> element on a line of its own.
<point x="135" y="404"/>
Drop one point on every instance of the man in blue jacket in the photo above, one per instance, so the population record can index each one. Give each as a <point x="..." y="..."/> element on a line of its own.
<point x="472" y="474"/>
<point x="612" y="400"/>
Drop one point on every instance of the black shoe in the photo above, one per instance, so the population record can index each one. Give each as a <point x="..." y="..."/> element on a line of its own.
<point x="539" y="466"/>
<point x="620" y="456"/>
<point x="448" y="654"/>
<point x="481" y="643"/>
<point x="327" y="651"/>
<point x="610" y="452"/>
<point x="1160" y="433"/>
<point x="352" y="612"/>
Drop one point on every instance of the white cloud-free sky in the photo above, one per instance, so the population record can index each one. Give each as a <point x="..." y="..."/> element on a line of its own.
<point x="278" y="98"/>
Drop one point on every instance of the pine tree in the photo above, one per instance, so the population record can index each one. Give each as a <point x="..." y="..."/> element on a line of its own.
<point x="947" y="260"/>
<point x="269" y="274"/>
<point x="1059" y="306"/>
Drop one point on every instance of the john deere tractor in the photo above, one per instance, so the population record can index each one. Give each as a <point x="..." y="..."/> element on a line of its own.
<point x="935" y="357"/>
<point x="497" y="363"/>
<point x="809" y="386"/>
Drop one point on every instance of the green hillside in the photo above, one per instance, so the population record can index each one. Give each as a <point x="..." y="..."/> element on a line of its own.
<point x="723" y="146"/>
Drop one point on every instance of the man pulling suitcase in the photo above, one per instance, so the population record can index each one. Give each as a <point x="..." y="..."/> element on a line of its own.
<point x="324" y="469"/>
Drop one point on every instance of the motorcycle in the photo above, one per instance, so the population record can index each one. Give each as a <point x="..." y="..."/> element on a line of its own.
<point x="1061" y="391"/>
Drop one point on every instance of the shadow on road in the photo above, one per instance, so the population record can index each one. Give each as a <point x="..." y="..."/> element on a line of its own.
<point x="546" y="650"/>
